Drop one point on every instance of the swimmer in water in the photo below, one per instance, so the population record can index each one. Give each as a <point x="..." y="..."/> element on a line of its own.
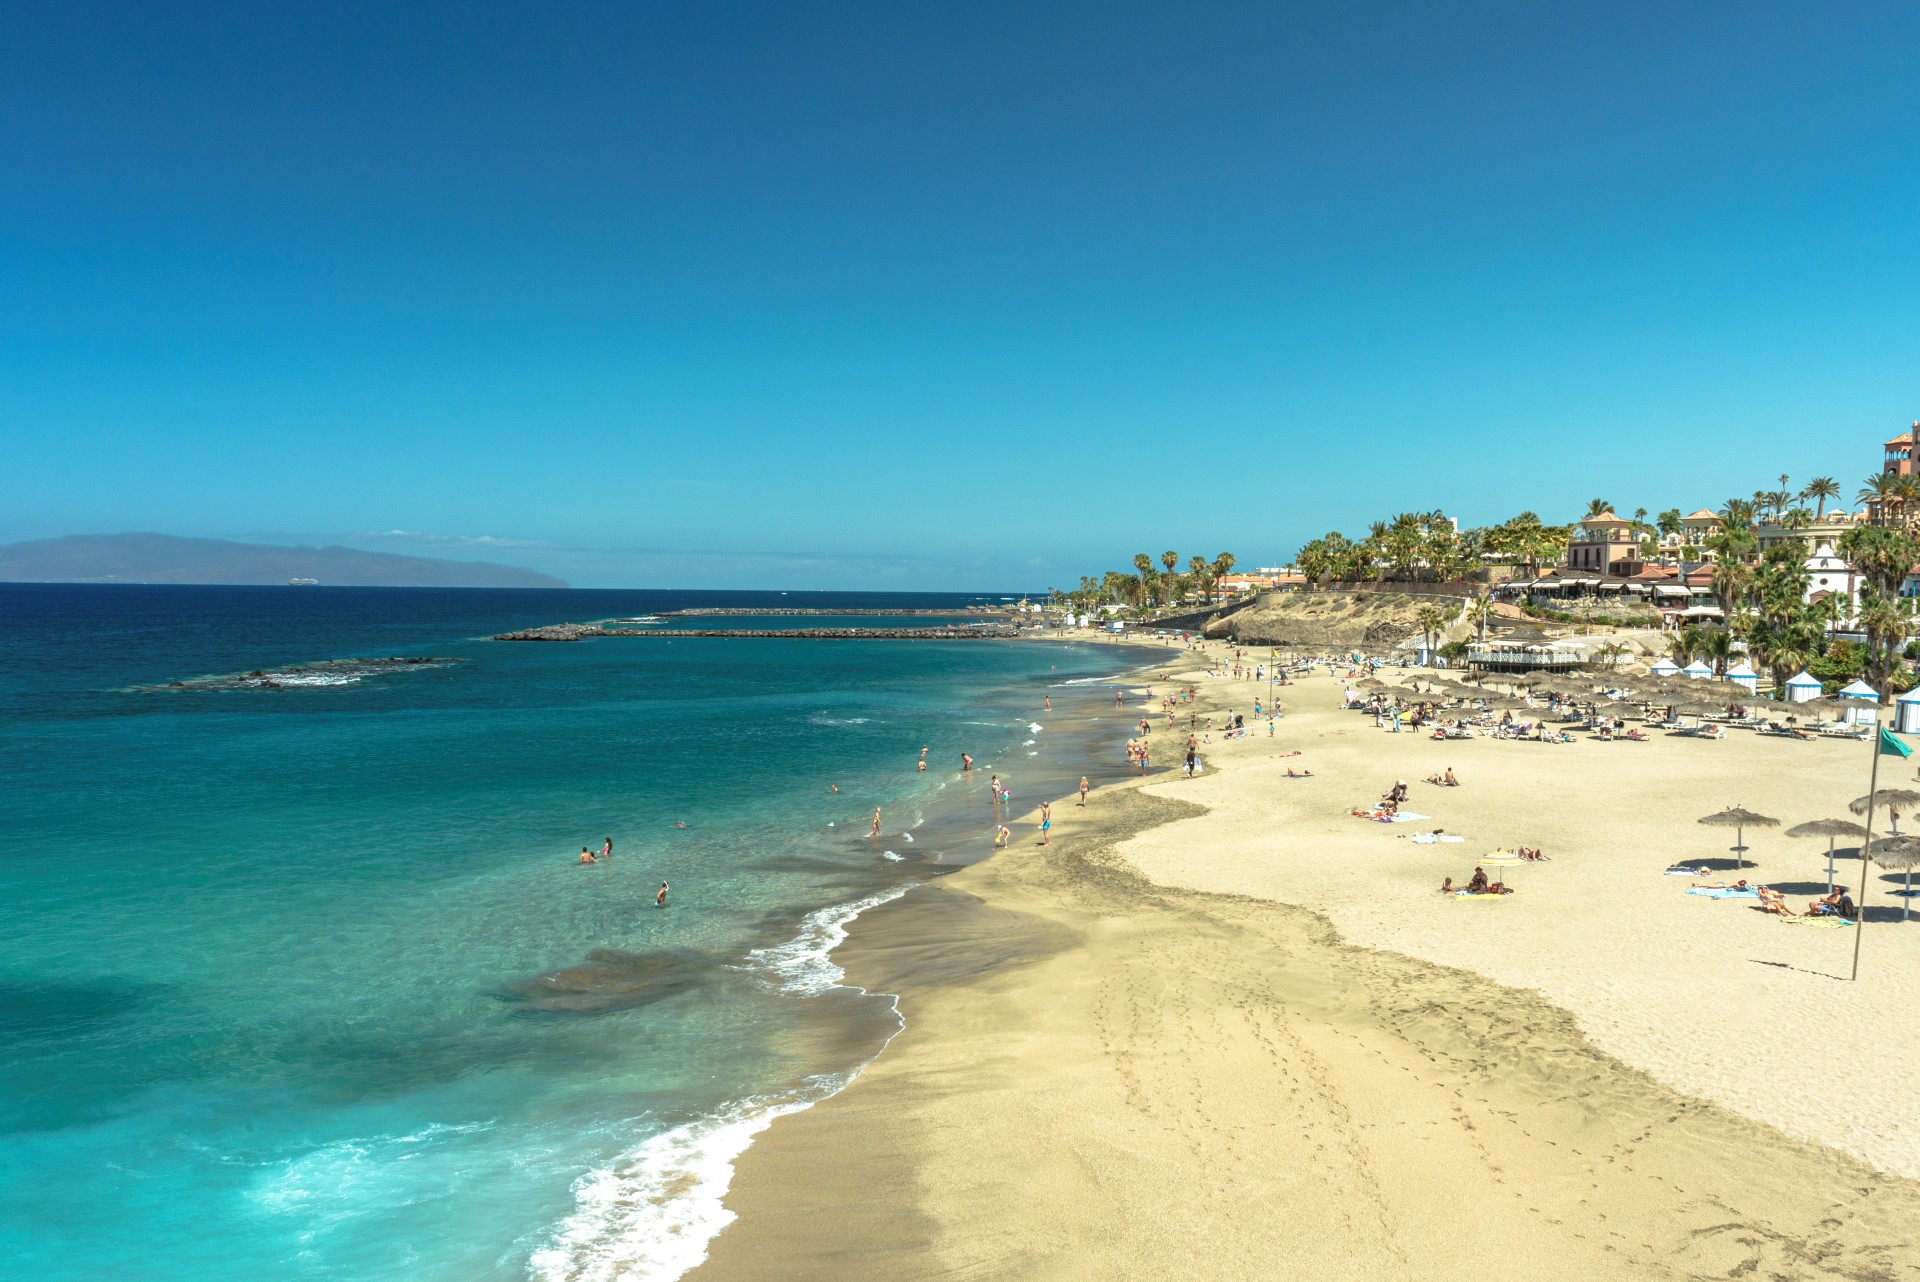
<point x="606" y="851"/>
<point x="833" y="787"/>
<point x="1049" y="703"/>
<point x="660" y="900"/>
<point x="679" y="823"/>
<point x="586" y="856"/>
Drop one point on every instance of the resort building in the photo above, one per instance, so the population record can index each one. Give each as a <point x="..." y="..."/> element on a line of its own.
<point x="1899" y="457"/>
<point x="1695" y="530"/>
<point x="1606" y="546"/>
<point x="1829" y="575"/>
<point x="1828" y="530"/>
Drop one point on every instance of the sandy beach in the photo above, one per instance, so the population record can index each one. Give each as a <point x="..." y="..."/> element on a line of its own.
<point x="1219" y="1028"/>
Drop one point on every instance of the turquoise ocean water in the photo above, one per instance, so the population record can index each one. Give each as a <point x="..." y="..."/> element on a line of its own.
<point x="304" y="982"/>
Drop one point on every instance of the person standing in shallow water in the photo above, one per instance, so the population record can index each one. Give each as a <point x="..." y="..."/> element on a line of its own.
<point x="876" y="822"/>
<point x="660" y="900"/>
<point x="606" y="851"/>
<point x="966" y="764"/>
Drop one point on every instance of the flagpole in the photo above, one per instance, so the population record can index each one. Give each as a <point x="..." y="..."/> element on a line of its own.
<point x="1873" y="791"/>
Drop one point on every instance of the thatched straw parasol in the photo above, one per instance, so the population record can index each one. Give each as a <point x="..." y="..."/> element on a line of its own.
<point x="1902" y="853"/>
<point x="1739" y="819"/>
<point x="1892" y="800"/>
<point x="1832" y="830"/>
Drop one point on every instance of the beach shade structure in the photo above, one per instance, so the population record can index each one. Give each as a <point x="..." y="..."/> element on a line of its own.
<point x="1499" y="859"/>
<point x="1861" y="702"/>
<point x="1891" y="800"/>
<point x="1832" y="830"/>
<point x="1739" y="819"/>
<point x="1696" y="671"/>
<point x="1901" y="854"/>
<point x="1906" y="712"/>
<point x="1802" y="687"/>
<point x="1745" y="677"/>
<point x="1664" y="667"/>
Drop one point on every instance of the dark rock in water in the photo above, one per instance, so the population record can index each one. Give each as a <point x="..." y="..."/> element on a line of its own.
<point x="613" y="980"/>
<point x="324" y="673"/>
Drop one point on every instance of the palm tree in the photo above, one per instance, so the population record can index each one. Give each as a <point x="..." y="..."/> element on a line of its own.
<point x="1597" y="507"/>
<point x="1169" y="559"/>
<point x="1820" y="488"/>
<point x="1202" y="575"/>
<point x="1737" y="512"/>
<point x="1222" y="565"/>
<point x="1433" y="621"/>
<point x="1883" y="495"/>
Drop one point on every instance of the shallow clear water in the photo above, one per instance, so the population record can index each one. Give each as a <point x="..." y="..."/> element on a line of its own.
<point x="269" y="967"/>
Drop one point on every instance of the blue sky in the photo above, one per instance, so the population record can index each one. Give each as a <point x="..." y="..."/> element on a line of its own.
<point x="949" y="296"/>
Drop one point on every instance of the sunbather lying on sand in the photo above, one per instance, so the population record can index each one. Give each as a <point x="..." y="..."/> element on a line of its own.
<point x="1298" y="774"/>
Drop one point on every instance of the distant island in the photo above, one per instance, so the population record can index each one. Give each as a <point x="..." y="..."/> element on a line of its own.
<point x="162" y="558"/>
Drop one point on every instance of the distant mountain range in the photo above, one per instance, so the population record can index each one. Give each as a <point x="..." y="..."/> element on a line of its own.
<point x="162" y="558"/>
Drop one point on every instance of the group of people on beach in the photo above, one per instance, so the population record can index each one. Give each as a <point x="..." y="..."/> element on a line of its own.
<point x="1478" y="884"/>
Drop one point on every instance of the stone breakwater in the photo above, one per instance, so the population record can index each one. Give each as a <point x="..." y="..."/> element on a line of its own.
<point x="721" y="611"/>
<point x="581" y="631"/>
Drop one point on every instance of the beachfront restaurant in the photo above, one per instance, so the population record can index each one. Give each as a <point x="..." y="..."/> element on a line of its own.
<point x="1524" y="656"/>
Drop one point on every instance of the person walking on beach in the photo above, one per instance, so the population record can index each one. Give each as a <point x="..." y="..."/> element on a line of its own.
<point x="1046" y="821"/>
<point x="660" y="900"/>
<point x="1084" y="785"/>
<point x="876" y="822"/>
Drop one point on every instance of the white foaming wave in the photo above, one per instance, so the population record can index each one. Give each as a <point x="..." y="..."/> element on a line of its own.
<point x="1034" y="727"/>
<point x="890" y="855"/>
<point x="1093" y="681"/>
<point x="822" y="719"/>
<point x="1028" y="744"/>
<point x="650" y="1216"/>
<point x="802" y="966"/>
<point x="907" y="835"/>
<point x="306" y="679"/>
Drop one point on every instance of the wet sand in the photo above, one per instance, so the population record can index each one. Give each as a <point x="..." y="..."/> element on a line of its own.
<point x="1111" y="1074"/>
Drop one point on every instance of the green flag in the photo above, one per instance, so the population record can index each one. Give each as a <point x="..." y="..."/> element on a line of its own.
<point x="1892" y="747"/>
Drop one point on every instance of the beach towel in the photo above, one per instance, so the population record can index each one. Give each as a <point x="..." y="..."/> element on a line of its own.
<point x="1724" y="892"/>
<point x="1408" y="817"/>
<point x="1830" y="923"/>
<point x="1469" y="894"/>
<point x="1444" y="837"/>
<point x="1685" y="872"/>
<point x="1425" y="838"/>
